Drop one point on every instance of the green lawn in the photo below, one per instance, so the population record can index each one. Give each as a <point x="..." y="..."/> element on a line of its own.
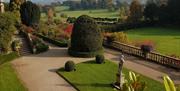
<point x="77" y="13"/>
<point x="98" y="77"/>
<point x="166" y="40"/>
<point x="8" y="78"/>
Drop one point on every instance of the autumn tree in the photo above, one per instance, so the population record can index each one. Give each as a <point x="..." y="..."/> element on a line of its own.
<point x="14" y="6"/>
<point x="50" y="14"/>
<point x="110" y="5"/>
<point x="123" y="13"/>
<point x="136" y="11"/>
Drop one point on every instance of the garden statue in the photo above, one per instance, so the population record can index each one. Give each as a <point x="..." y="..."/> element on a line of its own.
<point x="1" y="6"/>
<point x="120" y="79"/>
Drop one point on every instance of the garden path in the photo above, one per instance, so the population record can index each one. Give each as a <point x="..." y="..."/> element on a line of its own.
<point x="38" y="72"/>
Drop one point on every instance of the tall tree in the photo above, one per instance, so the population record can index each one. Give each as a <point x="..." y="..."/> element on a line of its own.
<point x="30" y="14"/>
<point x="14" y="6"/>
<point x="110" y="5"/>
<point x="174" y="10"/>
<point x="136" y="11"/>
<point x="88" y="4"/>
<point x="151" y="10"/>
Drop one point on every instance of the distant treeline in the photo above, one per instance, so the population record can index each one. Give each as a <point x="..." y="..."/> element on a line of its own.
<point x="97" y="19"/>
<point x="166" y="12"/>
<point x="94" y="4"/>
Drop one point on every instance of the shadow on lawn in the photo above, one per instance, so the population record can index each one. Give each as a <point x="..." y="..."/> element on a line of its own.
<point x="90" y="62"/>
<point x="93" y="84"/>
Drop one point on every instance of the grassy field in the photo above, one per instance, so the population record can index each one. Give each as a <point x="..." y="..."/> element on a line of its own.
<point x="166" y="40"/>
<point x="8" y="78"/>
<point x="90" y="76"/>
<point x="77" y="13"/>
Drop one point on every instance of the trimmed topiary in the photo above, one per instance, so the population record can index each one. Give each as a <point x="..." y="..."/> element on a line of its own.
<point x="69" y="66"/>
<point x="100" y="59"/>
<point x="86" y="38"/>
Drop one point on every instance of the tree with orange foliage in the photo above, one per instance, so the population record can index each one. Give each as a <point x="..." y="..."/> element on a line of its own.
<point x="136" y="11"/>
<point x="50" y="14"/>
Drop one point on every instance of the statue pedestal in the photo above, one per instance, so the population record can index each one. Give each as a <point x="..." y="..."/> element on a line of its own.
<point x="119" y="83"/>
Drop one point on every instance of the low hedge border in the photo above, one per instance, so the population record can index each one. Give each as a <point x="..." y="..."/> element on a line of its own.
<point x="85" y="54"/>
<point x="55" y="42"/>
<point x="42" y="48"/>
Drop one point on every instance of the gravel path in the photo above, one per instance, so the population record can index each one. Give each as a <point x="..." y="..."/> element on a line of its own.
<point x="37" y="72"/>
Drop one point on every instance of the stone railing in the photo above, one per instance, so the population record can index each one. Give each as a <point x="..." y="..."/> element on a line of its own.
<point x="152" y="56"/>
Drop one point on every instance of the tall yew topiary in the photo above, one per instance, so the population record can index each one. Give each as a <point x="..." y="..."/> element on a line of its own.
<point x="30" y="13"/>
<point x="86" y="38"/>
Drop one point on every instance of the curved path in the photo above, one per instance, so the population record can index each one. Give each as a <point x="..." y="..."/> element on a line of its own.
<point x="37" y="72"/>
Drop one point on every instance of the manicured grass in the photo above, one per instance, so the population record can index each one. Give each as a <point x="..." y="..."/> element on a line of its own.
<point x="6" y="58"/>
<point x="8" y="79"/>
<point x="167" y="40"/>
<point x="77" y="13"/>
<point x="90" y="76"/>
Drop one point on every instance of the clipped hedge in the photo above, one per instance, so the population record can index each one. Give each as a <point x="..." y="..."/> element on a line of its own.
<point x="55" y="42"/>
<point x="41" y="48"/>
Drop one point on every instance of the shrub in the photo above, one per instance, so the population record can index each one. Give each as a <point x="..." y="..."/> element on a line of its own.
<point x="69" y="66"/>
<point x="39" y="45"/>
<point x="146" y="48"/>
<point x="41" y="48"/>
<point x="100" y="59"/>
<point x="63" y="15"/>
<point x="7" y="28"/>
<point x="16" y="45"/>
<point x="57" y="21"/>
<point x="71" y="19"/>
<point x="86" y="36"/>
<point x="121" y="37"/>
<point x="110" y="39"/>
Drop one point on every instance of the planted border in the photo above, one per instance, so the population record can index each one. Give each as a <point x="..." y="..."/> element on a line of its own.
<point x="55" y="42"/>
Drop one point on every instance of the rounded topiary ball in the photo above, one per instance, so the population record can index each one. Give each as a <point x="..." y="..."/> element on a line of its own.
<point x="100" y="59"/>
<point x="86" y="38"/>
<point x="69" y="66"/>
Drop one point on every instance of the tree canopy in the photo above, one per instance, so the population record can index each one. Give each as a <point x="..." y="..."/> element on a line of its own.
<point x="30" y="14"/>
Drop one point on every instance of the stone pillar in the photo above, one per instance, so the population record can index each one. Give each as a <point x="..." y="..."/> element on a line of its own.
<point x="1" y="6"/>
